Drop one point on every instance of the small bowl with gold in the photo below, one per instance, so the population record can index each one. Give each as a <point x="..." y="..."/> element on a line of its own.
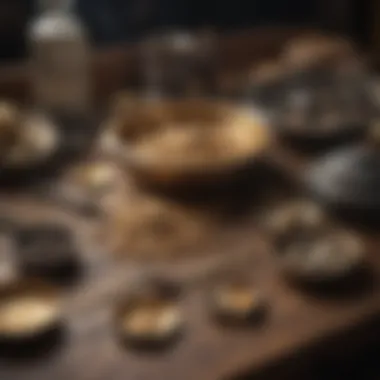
<point x="296" y="219"/>
<point x="184" y="143"/>
<point x="30" y="314"/>
<point x="329" y="259"/>
<point x="27" y="138"/>
<point x="150" y="317"/>
<point x="235" y="300"/>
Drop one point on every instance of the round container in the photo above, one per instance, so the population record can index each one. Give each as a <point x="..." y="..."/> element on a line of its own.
<point x="323" y="260"/>
<point x="316" y="117"/>
<point x="30" y="314"/>
<point x="237" y="302"/>
<point x="150" y="317"/>
<point x="328" y="100"/>
<point x="47" y="250"/>
<point x="35" y="144"/>
<point x="185" y="144"/>
<point x="37" y="139"/>
<point x="348" y="181"/>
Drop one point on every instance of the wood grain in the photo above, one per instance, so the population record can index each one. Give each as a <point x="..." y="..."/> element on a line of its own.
<point x="298" y="322"/>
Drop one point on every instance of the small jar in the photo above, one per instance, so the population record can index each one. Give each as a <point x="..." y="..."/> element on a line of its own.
<point x="59" y="55"/>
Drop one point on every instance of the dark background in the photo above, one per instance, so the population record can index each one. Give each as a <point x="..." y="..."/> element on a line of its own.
<point x="120" y="19"/>
<point x="112" y="22"/>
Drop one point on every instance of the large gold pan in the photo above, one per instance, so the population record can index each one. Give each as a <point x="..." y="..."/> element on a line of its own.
<point x="180" y="142"/>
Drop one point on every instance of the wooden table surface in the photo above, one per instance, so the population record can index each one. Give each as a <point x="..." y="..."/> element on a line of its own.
<point x="299" y="323"/>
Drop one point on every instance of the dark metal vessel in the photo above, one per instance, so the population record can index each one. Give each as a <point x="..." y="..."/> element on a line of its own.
<point x="348" y="181"/>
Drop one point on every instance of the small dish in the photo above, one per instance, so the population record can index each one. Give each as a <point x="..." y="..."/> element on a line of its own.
<point x="324" y="260"/>
<point x="29" y="312"/>
<point x="151" y="317"/>
<point x="47" y="250"/>
<point x="235" y="300"/>
<point x="347" y="180"/>
<point x="34" y="150"/>
<point x="29" y="136"/>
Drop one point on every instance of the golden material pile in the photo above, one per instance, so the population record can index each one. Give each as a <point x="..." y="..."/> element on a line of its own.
<point x="176" y="136"/>
<point x="28" y="309"/>
<point x="25" y="315"/>
<point x="141" y="226"/>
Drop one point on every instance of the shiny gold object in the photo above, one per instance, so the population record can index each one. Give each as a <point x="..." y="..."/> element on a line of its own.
<point x="149" y="319"/>
<point x="237" y="301"/>
<point x="28" y="310"/>
<point x="166" y="141"/>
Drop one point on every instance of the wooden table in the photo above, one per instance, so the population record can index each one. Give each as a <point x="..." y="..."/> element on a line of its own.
<point x="301" y="326"/>
<point x="301" y="329"/>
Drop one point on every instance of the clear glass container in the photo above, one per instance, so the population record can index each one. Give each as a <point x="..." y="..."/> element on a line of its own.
<point x="178" y="64"/>
<point x="59" y="58"/>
